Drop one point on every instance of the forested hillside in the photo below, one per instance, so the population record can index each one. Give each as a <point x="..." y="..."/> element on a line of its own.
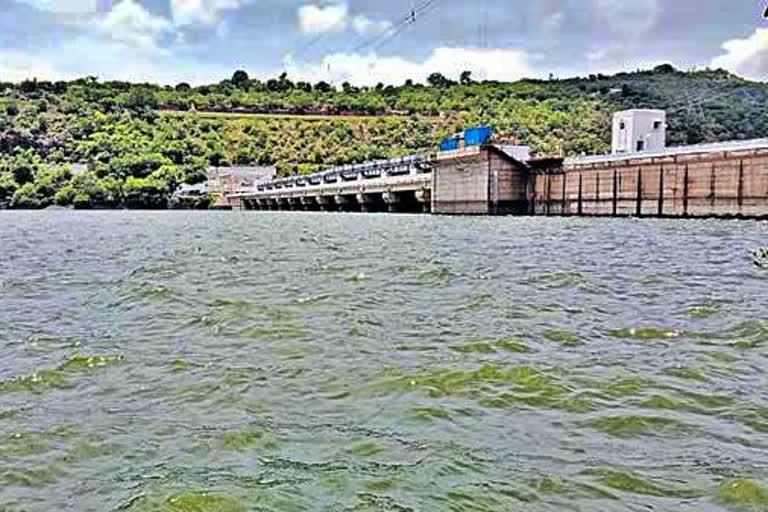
<point x="141" y="141"/>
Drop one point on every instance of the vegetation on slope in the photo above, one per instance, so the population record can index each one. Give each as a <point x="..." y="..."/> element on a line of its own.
<point x="141" y="141"/>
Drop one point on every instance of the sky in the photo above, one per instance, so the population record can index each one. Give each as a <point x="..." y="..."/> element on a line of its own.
<point x="364" y="43"/>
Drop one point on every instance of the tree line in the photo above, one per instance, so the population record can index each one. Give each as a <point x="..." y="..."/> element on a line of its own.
<point x="137" y="143"/>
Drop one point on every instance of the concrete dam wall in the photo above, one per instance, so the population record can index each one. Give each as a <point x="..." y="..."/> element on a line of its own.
<point x="719" y="180"/>
<point x="712" y="180"/>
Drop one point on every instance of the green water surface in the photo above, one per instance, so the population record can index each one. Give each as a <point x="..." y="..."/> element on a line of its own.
<point x="228" y="362"/>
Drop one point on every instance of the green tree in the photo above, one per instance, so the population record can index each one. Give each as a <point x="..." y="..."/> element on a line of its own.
<point x="23" y="172"/>
<point x="438" y="80"/>
<point x="136" y="165"/>
<point x="240" y="78"/>
<point x="7" y="187"/>
<point x="26" y="197"/>
<point x="145" y="193"/>
<point x="85" y="192"/>
<point x="49" y="180"/>
<point x="65" y="196"/>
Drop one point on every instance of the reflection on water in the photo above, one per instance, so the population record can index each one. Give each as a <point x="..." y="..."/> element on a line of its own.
<point x="195" y="362"/>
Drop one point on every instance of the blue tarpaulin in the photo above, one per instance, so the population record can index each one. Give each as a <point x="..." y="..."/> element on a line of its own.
<point x="477" y="136"/>
<point x="449" y="144"/>
<point x="471" y="137"/>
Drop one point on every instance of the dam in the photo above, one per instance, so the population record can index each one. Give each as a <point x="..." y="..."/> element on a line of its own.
<point x="471" y="175"/>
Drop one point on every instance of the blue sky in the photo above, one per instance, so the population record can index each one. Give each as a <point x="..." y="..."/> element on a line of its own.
<point x="201" y="41"/>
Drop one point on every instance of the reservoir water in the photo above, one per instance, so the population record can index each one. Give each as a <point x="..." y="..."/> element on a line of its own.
<point x="202" y="362"/>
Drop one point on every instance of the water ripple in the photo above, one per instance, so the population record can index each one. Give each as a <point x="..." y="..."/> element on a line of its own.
<point x="201" y="362"/>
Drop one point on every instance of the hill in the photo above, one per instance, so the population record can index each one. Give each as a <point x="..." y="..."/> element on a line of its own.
<point x="141" y="141"/>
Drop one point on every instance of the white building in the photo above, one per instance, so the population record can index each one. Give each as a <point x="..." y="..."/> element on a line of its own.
<point x="228" y="179"/>
<point x="635" y="131"/>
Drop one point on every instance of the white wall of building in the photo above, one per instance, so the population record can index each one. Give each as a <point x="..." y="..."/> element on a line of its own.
<point x="636" y="131"/>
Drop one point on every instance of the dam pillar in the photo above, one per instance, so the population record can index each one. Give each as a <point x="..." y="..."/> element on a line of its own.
<point x="345" y="203"/>
<point x="394" y="201"/>
<point x="424" y="198"/>
<point x="309" y="203"/>
<point x="326" y="203"/>
<point x="370" y="203"/>
<point x="283" y="203"/>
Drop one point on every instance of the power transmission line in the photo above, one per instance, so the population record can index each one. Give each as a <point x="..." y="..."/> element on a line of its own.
<point x="381" y="39"/>
<point x="398" y="27"/>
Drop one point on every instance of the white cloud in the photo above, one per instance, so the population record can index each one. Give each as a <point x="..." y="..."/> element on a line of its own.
<point x="16" y="66"/>
<point x="314" y="19"/>
<point x="370" y="69"/>
<point x="366" y="26"/>
<point x="628" y="18"/>
<point x="131" y="24"/>
<point x="202" y="12"/>
<point x="335" y="18"/>
<point x="85" y="56"/>
<point x="120" y="62"/>
<point x="596" y="55"/>
<point x="622" y="40"/>
<point x="613" y="58"/>
<point x="64" y="6"/>
<point x="127" y="43"/>
<point x="747" y="57"/>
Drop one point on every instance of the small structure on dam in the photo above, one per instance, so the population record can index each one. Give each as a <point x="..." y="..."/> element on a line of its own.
<point x="489" y="179"/>
<point x="641" y="177"/>
<point x="638" y="130"/>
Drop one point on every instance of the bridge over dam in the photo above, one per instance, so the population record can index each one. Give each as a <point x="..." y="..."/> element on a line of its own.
<point x="726" y="179"/>
<point x="401" y="184"/>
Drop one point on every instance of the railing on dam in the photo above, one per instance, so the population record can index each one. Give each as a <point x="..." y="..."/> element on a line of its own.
<point x="397" y="184"/>
<point x="367" y="170"/>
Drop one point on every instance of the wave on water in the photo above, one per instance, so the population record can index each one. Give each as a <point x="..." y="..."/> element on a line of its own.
<point x="196" y="362"/>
